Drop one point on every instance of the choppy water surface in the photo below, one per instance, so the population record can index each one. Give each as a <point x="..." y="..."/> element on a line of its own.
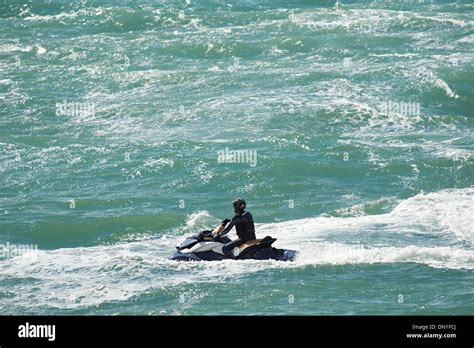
<point x="359" y="113"/>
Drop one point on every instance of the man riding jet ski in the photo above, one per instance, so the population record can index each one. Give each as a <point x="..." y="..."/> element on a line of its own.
<point x="214" y="245"/>
<point x="243" y="222"/>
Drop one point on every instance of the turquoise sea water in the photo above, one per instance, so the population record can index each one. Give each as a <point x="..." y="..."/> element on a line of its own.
<point x="359" y="113"/>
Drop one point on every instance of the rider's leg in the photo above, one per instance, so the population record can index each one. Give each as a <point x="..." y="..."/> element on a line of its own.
<point x="227" y="248"/>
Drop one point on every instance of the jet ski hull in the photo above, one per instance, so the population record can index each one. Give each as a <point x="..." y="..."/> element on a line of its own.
<point x="204" y="256"/>
<point x="202" y="247"/>
<point x="262" y="254"/>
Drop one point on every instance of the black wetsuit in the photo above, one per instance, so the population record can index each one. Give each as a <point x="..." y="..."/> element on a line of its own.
<point x="245" y="228"/>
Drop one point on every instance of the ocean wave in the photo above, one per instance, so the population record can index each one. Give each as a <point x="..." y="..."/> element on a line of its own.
<point x="341" y="254"/>
<point x="83" y="277"/>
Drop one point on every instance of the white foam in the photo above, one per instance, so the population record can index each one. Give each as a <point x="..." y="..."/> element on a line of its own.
<point x="5" y="81"/>
<point x="447" y="213"/>
<point x="40" y="50"/>
<point x="455" y="153"/>
<point x="89" y="276"/>
<point x="443" y="85"/>
<point x="467" y="39"/>
<point x="7" y="48"/>
<point x="341" y="254"/>
<point x="443" y="18"/>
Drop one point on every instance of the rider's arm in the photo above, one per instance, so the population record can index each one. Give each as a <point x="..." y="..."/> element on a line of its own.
<point x="235" y="220"/>
<point x="221" y="227"/>
<point x="227" y="229"/>
<point x="217" y="230"/>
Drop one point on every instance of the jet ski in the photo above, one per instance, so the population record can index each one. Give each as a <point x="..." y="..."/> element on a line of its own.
<point x="203" y="246"/>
